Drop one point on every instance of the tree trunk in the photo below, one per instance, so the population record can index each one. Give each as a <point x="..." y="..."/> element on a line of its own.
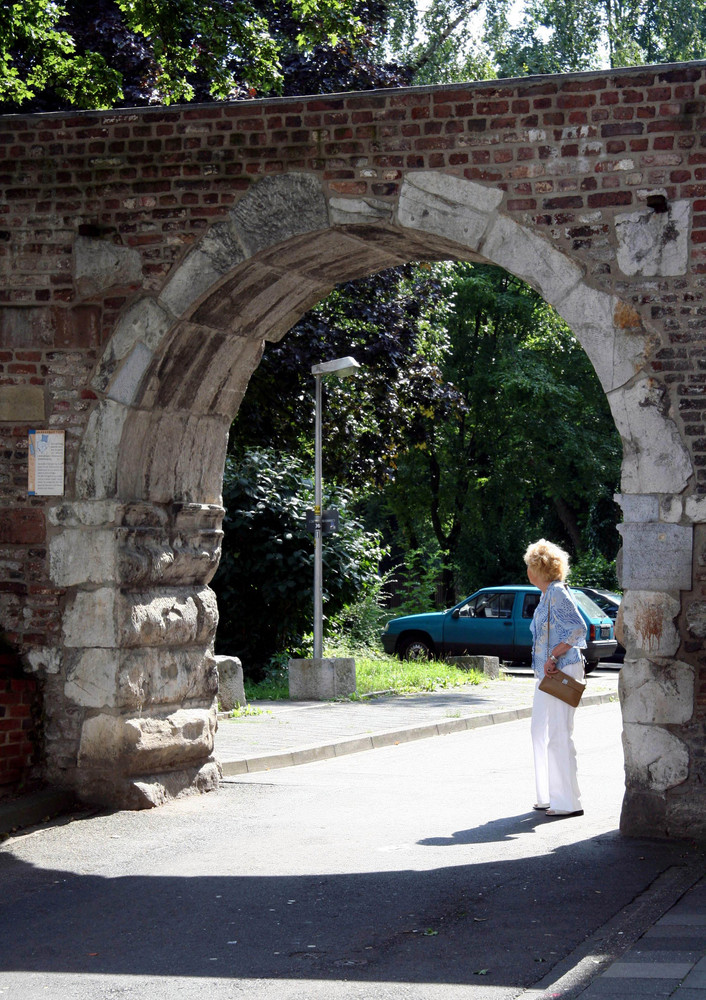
<point x="568" y="519"/>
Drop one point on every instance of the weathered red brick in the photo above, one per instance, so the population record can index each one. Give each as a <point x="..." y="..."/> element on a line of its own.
<point x="21" y="526"/>
<point x="608" y="198"/>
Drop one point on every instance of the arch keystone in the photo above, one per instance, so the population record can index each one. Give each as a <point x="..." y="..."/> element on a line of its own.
<point x="358" y="211"/>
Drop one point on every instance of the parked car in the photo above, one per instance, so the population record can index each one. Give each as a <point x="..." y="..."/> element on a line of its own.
<point x="495" y="621"/>
<point x="609" y="603"/>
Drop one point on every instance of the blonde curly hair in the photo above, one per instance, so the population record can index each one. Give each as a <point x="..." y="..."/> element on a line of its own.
<point x="547" y="561"/>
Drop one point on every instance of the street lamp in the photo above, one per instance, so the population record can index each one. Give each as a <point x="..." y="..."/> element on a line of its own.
<point x="342" y="367"/>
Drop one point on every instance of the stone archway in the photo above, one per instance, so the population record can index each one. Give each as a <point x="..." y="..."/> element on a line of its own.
<point x="146" y="254"/>
<point x="139" y="545"/>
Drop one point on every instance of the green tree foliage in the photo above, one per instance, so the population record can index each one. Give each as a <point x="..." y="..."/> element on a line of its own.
<point x="449" y="40"/>
<point x="476" y="424"/>
<point x="528" y="448"/>
<point x="393" y="323"/>
<point x="557" y="36"/>
<point x="55" y="55"/>
<point x="445" y="40"/>
<point x="37" y="54"/>
<point x="265" y="579"/>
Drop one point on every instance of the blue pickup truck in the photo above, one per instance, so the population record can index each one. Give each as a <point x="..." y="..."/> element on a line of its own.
<point x="492" y="622"/>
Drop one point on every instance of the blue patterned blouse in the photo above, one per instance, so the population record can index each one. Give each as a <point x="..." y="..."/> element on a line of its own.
<point x="556" y="619"/>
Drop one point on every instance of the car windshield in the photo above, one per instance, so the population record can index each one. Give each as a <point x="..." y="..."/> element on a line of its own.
<point x="608" y="602"/>
<point x="589" y="607"/>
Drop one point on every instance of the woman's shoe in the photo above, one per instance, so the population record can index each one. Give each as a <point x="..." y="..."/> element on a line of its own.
<point x="539" y="806"/>
<point x="563" y="813"/>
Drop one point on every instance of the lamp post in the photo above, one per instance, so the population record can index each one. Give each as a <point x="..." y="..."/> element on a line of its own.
<point x="342" y="367"/>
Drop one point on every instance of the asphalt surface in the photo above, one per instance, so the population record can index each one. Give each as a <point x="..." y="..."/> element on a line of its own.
<point x="417" y="871"/>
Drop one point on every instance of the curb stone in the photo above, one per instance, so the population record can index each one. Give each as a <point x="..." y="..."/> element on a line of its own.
<point x="374" y="741"/>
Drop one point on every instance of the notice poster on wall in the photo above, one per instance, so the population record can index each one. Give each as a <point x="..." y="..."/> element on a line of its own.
<point x="46" y="463"/>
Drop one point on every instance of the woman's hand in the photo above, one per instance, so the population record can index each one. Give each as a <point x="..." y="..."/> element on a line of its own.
<point x="551" y="667"/>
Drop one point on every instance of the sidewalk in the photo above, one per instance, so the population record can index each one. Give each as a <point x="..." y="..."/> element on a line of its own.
<point x="669" y="959"/>
<point x="286" y="733"/>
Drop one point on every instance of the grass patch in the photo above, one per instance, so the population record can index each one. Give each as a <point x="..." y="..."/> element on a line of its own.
<point x="377" y="673"/>
<point x="273" y="688"/>
<point x="244" y="710"/>
<point x="390" y="674"/>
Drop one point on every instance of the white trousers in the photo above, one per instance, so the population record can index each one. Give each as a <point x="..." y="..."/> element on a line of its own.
<point x="554" y="751"/>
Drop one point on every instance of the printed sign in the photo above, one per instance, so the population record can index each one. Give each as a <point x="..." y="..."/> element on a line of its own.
<point x="46" y="463"/>
<point x="329" y="521"/>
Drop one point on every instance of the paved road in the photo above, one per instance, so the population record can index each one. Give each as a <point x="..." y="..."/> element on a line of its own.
<point x="415" y="872"/>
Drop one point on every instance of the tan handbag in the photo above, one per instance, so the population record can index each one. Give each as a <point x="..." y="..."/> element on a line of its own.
<point x="563" y="686"/>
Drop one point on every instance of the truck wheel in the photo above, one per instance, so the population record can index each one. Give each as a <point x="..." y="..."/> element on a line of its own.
<point x="591" y="666"/>
<point x="415" y="648"/>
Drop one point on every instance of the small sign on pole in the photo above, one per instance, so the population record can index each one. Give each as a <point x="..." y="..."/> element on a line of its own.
<point x="330" y="520"/>
<point x="45" y="472"/>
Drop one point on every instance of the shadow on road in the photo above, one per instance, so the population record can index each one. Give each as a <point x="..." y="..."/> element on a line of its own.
<point x="508" y="920"/>
<point x="496" y="830"/>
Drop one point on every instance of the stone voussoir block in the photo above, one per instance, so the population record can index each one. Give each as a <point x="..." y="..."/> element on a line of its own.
<point x="277" y="208"/>
<point x="448" y="206"/>
<point x="143" y="323"/>
<point x="655" y="458"/>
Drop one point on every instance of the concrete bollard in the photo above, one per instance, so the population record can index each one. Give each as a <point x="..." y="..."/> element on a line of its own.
<point x="321" y="680"/>
<point x="490" y="665"/>
<point x="231" y="691"/>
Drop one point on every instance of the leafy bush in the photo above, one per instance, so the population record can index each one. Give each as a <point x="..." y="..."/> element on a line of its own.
<point x="592" y="569"/>
<point x="357" y="626"/>
<point x="265" y="580"/>
<point x="419" y="580"/>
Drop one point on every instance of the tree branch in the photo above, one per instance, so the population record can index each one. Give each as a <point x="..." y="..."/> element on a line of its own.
<point x="437" y="42"/>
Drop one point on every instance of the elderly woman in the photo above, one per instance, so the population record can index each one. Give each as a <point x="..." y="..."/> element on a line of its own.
<point x="558" y="635"/>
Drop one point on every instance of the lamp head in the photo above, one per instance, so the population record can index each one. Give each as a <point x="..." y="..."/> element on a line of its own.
<point x="341" y="367"/>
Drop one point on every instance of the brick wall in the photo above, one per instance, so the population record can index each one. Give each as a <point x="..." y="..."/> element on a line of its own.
<point x="20" y="726"/>
<point x="568" y="152"/>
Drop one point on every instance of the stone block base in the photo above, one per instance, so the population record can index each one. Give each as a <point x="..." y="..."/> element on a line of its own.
<point x="321" y="680"/>
<point x="643" y="814"/>
<point x="489" y="665"/>
<point x="231" y="690"/>
<point x="148" y="790"/>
